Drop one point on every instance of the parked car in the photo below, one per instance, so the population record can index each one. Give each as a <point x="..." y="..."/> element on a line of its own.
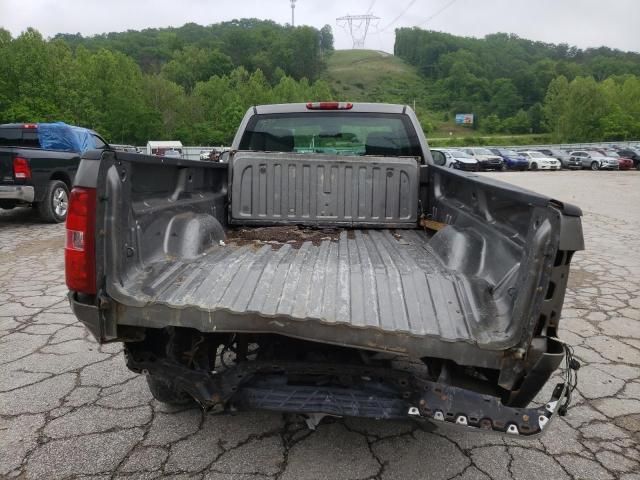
<point x="633" y="154"/>
<point x="486" y="158"/>
<point x="564" y="157"/>
<point x="172" y="154"/>
<point x="539" y="161"/>
<point x="595" y="160"/>
<point x="303" y="282"/>
<point x="205" y="154"/>
<point x="452" y="158"/>
<point x="512" y="159"/>
<point x="38" y="162"/>
<point x="624" y="163"/>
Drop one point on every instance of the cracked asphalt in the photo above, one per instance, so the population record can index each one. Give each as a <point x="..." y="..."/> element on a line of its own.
<point x="70" y="409"/>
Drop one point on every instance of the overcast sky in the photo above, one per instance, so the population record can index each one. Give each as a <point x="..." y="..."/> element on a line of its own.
<point x="585" y="23"/>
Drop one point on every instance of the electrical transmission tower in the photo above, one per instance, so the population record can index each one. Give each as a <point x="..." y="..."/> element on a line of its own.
<point x="358" y="26"/>
<point x="293" y="13"/>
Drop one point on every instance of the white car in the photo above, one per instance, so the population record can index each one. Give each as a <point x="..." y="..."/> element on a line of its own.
<point x="539" y="161"/>
<point x="486" y="158"/>
<point x="452" y="158"/>
<point x="205" y="154"/>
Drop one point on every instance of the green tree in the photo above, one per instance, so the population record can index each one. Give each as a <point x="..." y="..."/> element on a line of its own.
<point x="29" y="78"/>
<point x="622" y="95"/>
<point x="425" y="122"/>
<point x="5" y="69"/>
<point x="193" y="64"/>
<point x="617" y="124"/>
<point x="505" y="99"/>
<point x="519" y="123"/>
<point x="586" y="105"/>
<point x="491" y="123"/>
<point x="555" y="107"/>
<point x="536" y="118"/>
<point x="115" y="87"/>
<point x="326" y="39"/>
<point x="502" y="73"/>
<point x="168" y="106"/>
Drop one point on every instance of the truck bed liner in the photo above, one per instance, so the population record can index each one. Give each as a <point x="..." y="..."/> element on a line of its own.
<point x="369" y="279"/>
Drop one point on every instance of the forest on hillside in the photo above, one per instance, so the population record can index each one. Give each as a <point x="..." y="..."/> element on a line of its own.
<point x="191" y="83"/>
<point x="514" y="85"/>
<point x="193" y="53"/>
<point x="194" y="83"/>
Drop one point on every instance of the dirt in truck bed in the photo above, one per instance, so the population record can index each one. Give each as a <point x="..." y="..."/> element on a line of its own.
<point x="278" y="236"/>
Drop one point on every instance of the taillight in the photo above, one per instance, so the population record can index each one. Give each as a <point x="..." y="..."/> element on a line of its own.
<point x="30" y="126"/>
<point x="21" y="168"/>
<point x="80" y="244"/>
<point x="329" y="106"/>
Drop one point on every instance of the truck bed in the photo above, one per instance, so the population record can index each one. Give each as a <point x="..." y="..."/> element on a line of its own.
<point x="306" y="283"/>
<point x="384" y="280"/>
<point x="172" y="255"/>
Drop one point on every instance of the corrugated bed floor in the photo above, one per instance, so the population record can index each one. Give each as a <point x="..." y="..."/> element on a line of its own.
<point x="381" y="279"/>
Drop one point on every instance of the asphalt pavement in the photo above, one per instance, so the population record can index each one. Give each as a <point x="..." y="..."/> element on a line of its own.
<point x="70" y="409"/>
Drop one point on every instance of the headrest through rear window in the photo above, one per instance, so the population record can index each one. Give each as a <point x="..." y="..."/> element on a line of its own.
<point x="381" y="144"/>
<point x="277" y="140"/>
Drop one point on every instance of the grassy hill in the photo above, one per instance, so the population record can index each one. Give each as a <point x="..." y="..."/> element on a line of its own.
<point x="373" y="76"/>
<point x="369" y="75"/>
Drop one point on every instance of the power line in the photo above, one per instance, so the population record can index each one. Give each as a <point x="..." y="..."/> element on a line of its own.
<point x="401" y="14"/>
<point x="437" y="13"/>
<point x="373" y="3"/>
<point x="434" y="15"/>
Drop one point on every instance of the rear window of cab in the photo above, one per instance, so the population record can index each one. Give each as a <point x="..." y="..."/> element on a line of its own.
<point x="19" y="137"/>
<point x="352" y="134"/>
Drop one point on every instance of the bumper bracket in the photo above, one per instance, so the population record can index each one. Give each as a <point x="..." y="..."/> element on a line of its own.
<point x="375" y="393"/>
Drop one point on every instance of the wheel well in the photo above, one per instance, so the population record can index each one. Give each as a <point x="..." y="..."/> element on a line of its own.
<point x="63" y="177"/>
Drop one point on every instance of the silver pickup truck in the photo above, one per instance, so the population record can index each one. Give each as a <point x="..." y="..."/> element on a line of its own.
<point x="326" y="266"/>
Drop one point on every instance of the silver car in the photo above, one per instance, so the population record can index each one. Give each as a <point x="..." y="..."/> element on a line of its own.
<point x="205" y="154"/>
<point x="453" y="158"/>
<point x="595" y="160"/>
